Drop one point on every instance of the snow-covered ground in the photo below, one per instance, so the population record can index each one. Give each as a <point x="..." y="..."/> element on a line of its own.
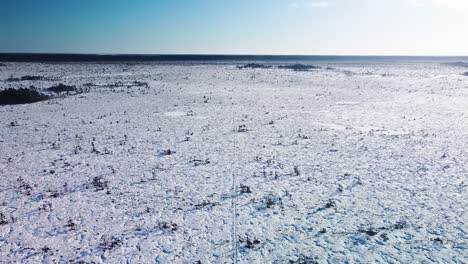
<point x="358" y="163"/>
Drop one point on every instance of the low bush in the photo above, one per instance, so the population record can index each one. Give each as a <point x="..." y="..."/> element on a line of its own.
<point x="298" y="67"/>
<point x="60" y="88"/>
<point x="253" y="66"/>
<point x="21" y="96"/>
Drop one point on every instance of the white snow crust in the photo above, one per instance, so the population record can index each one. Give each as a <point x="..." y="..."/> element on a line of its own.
<point x="365" y="163"/>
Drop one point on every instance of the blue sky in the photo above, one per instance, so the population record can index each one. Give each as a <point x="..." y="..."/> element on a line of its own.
<point x="315" y="27"/>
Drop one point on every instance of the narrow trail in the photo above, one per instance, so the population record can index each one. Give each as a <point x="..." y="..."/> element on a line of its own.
<point x="234" y="188"/>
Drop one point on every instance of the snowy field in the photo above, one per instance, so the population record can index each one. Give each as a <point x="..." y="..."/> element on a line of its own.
<point x="208" y="163"/>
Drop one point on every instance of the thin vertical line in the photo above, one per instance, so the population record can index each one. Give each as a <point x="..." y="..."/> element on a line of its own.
<point x="234" y="190"/>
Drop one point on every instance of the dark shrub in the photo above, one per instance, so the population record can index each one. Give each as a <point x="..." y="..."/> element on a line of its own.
<point x="3" y="219"/>
<point x="370" y="231"/>
<point x="249" y="242"/>
<point x="465" y="74"/>
<point x="168" y="226"/>
<point x="25" y="78"/>
<point x="140" y="84"/>
<point x="21" y="96"/>
<point x="32" y="78"/>
<point x="110" y="244"/>
<point x="253" y="66"/>
<point x="12" y="79"/>
<point x="60" y="88"/>
<point x="99" y="183"/>
<point x="298" y="67"/>
<point x="458" y="64"/>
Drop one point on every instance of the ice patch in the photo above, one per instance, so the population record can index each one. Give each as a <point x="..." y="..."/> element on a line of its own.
<point x="330" y="125"/>
<point x="176" y="114"/>
<point x="364" y="129"/>
<point x="180" y="114"/>
<point x="346" y="103"/>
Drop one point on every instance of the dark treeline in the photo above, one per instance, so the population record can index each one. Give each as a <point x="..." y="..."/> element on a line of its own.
<point x="59" y="57"/>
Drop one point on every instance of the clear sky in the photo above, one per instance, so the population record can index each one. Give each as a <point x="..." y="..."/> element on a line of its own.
<point x="308" y="27"/>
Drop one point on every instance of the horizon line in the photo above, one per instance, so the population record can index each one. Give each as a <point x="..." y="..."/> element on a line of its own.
<point x="225" y="54"/>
